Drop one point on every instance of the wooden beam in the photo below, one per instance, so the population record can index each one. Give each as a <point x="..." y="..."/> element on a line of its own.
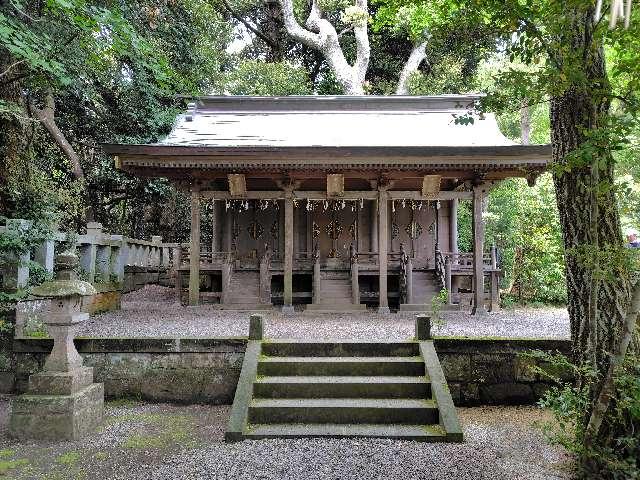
<point x="415" y="195"/>
<point x="194" y="254"/>
<point x="348" y="195"/>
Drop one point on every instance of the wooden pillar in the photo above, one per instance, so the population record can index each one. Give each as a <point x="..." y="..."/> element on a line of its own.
<point x="453" y="243"/>
<point x="478" y="253"/>
<point x="288" y="253"/>
<point x="374" y="226"/>
<point x="194" y="248"/>
<point x="383" y="240"/>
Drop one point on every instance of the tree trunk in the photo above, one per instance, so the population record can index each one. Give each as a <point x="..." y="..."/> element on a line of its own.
<point x="525" y="124"/>
<point x="581" y="108"/>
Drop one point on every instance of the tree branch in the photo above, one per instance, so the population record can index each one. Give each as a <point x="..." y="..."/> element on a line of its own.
<point x="418" y="54"/>
<point x="249" y="27"/>
<point x="322" y="36"/>
<point x="11" y="67"/>
<point x="310" y="39"/>
<point x="608" y="387"/>
<point x="363" y="49"/>
<point x="46" y="116"/>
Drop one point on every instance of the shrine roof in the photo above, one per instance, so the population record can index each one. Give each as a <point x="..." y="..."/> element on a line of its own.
<point x="231" y="130"/>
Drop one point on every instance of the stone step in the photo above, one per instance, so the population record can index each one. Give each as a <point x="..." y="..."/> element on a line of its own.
<point x="420" y="433"/>
<point x="246" y="307"/>
<point x="318" y="308"/>
<point x="341" y="366"/>
<point x="341" y="348"/>
<point x="343" y="410"/>
<point x="342" y="387"/>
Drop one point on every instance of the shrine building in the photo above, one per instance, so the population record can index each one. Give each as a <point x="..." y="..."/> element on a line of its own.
<point x="333" y="204"/>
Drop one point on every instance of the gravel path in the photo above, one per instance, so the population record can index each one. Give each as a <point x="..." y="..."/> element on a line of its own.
<point x="168" y="442"/>
<point x="153" y="312"/>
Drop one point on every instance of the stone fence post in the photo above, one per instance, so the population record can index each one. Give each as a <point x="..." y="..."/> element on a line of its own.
<point x="89" y="251"/>
<point x="119" y="257"/>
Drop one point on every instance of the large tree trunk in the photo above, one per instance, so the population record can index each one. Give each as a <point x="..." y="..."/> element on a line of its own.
<point x="583" y="107"/>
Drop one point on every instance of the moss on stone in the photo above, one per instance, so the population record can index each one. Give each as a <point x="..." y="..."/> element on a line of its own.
<point x="64" y="288"/>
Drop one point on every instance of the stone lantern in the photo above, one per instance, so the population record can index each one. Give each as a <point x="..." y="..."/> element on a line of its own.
<point x="62" y="402"/>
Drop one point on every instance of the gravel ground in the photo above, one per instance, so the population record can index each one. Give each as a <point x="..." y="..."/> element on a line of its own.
<point x="153" y="312"/>
<point x="167" y="442"/>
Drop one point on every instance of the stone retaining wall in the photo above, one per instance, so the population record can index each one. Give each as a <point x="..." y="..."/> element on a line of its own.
<point x="483" y="371"/>
<point x="206" y="370"/>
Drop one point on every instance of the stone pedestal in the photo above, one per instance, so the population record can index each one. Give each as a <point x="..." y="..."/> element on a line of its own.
<point x="58" y="406"/>
<point x="62" y="402"/>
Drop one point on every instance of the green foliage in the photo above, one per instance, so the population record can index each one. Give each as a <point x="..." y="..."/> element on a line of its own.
<point x="522" y="222"/>
<point x="437" y="302"/>
<point x="254" y="77"/>
<point x="570" y="403"/>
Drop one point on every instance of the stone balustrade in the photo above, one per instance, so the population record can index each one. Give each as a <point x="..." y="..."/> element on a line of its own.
<point x="104" y="258"/>
<point x="114" y="264"/>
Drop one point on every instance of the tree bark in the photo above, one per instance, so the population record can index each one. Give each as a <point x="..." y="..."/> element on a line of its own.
<point x="596" y="317"/>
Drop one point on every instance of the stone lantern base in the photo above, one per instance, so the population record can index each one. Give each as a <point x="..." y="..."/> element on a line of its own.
<point x="58" y="406"/>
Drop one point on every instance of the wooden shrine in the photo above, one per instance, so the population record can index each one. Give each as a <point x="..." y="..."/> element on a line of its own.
<point x="335" y="203"/>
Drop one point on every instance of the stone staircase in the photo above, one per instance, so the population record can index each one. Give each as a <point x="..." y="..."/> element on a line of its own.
<point x="335" y="294"/>
<point x="244" y="292"/>
<point x="293" y="389"/>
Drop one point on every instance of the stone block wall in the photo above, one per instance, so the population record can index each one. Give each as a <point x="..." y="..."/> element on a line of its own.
<point x="159" y="370"/>
<point x="482" y="371"/>
<point x="206" y="370"/>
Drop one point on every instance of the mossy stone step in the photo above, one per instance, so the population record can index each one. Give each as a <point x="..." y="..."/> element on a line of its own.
<point x="339" y="348"/>
<point x="420" y="433"/>
<point x="340" y="366"/>
<point x="342" y="387"/>
<point x="343" y="410"/>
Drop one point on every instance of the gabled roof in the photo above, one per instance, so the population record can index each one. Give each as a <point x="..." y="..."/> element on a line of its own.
<point x="333" y="122"/>
<point x="331" y="132"/>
